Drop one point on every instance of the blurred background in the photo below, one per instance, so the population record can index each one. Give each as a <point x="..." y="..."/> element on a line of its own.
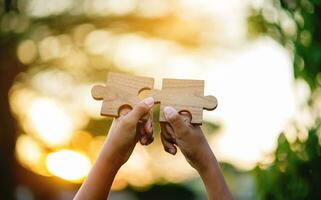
<point x="260" y="58"/>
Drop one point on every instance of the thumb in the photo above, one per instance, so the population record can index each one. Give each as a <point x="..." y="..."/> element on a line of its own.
<point x="141" y="109"/>
<point x="175" y="120"/>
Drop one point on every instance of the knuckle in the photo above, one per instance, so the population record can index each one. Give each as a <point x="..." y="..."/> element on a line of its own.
<point x="174" y="118"/>
<point x="166" y="149"/>
<point x="140" y="109"/>
<point x="151" y="139"/>
<point x="164" y="135"/>
<point x="142" y="106"/>
<point x="149" y="134"/>
<point x="182" y="133"/>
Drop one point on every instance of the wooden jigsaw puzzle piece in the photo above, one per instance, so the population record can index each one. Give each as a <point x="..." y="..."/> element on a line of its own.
<point x="120" y="90"/>
<point x="184" y="95"/>
<point x="111" y="107"/>
<point x="100" y="92"/>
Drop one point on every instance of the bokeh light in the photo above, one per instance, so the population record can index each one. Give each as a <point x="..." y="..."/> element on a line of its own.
<point x="27" y="51"/>
<point x="31" y="155"/>
<point x="69" y="165"/>
<point x="64" y="47"/>
<point x="51" y="124"/>
<point x="172" y="50"/>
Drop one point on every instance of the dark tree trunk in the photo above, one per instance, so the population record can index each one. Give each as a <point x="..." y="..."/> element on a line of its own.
<point x="9" y="68"/>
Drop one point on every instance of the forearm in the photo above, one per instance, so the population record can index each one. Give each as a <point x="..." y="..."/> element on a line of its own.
<point x="98" y="183"/>
<point x="213" y="179"/>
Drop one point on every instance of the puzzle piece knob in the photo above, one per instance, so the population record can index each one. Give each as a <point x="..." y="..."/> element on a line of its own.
<point x="210" y="102"/>
<point x="98" y="92"/>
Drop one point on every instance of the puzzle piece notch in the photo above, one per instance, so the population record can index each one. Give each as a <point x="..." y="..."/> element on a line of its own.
<point x="120" y="90"/>
<point x="184" y="95"/>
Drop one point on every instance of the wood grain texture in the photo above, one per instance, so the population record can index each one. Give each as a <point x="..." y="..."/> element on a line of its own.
<point x="120" y="90"/>
<point x="184" y="95"/>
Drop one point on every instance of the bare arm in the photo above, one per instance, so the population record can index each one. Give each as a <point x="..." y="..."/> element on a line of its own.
<point x="99" y="181"/>
<point x="213" y="178"/>
<point x="123" y="135"/>
<point x="193" y="144"/>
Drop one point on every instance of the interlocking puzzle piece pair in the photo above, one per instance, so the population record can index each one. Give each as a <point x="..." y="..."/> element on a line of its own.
<point x="183" y="95"/>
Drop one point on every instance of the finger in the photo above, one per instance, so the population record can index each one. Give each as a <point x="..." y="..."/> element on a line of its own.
<point x="146" y="140"/>
<point x="175" y="120"/>
<point x="168" y="132"/>
<point x="141" y="109"/>
<point x="148" y="126"/>
<point x="147" y="136"/>
<point x="186" y="116"/>
<point x="140" y="132"/>
<point x="167" y="141"/>
<point x="168" y="146"/>
<point x="149" y="140"/>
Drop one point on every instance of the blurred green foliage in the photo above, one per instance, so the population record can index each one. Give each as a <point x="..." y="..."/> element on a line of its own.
<point x="296" y="24"/>
<point x="295" y="172"/>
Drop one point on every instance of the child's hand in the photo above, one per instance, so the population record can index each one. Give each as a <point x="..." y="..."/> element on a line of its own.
<point x="127" y="130"/>
<point x="123" y="135"/>
<point x="189" y="138"/>
<point x="193" y="144"/>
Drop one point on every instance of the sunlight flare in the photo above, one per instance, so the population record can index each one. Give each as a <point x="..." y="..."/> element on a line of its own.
<point x="68" y="165"/>
<point x="51" y="124"/>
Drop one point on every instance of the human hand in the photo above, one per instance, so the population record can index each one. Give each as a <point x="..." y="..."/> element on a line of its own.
<point x="127" y="130"/>
<point x="193" y="144"/>
<point x="189" y="138"/>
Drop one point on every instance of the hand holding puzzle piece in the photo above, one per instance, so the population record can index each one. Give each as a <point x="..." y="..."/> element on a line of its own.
<point x="183" y="95"/>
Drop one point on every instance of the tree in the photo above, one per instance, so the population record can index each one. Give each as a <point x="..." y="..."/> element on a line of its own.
<point x="294" y="173"/>
<point x="44" y="34"/>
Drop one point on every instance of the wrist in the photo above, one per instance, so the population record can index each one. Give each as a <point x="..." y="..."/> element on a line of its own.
<point x="115" y="159"/>
<point x="206" y="163"/>
<point x="112" y="156"/>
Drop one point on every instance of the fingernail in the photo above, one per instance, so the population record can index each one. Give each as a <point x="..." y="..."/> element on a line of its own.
<point x="144" y="140"/>
<point x="169" y="111"/>
<point x="172" y="151"/>
<point x="149" y="101"/>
